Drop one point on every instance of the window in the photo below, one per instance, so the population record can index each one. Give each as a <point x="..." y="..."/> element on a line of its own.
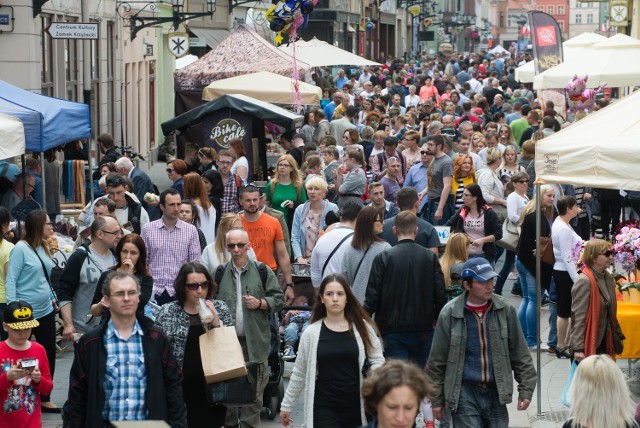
<point x="561" y="25"/>
<point x="46" y="62"/>
<point x="550" y="10"/>
<point x="578" y="5"/>
<point x="578" y="18"/>
<point x="560" y="10"/>
<point x="590" y="18"/>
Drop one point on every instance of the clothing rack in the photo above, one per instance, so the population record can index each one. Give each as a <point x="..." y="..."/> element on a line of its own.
<point x="73" y="183"/>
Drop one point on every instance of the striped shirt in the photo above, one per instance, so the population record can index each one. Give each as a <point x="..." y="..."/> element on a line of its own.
<point x="125" y="381"/>
<point x="168" y="250"/>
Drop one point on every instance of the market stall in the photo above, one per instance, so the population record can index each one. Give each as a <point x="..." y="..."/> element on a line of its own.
<point x="235" y="116"/>
<point x="318" y="53"/>
<point x="266" y="86"/>
<point x="11" y="137"/>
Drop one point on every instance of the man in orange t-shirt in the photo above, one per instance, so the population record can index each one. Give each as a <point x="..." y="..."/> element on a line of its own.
<point x="265" y="236"/>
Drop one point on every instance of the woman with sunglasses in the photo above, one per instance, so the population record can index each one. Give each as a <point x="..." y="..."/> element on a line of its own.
<point x="28" y="276"/>
<point x="183" y="326"/>
<point x="131" y="254"/>
<point x="365" y="246"/>
<point x="516" y="201"/>
<point x="208" y="158"/>
<point x="176" y="169"/>
<point x="593" y="300"/>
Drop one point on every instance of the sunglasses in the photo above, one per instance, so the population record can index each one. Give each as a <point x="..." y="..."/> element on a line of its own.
<point x="169" y="170"/>
<point x="424" y="152"/>
<point x="607" y="253"/>
<point x="240" y="245"/>
<point x="193" y="286"/>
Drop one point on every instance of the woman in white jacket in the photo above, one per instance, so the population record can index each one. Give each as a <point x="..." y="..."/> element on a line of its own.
<point x="331" y="360"/>
<point x="491" y="185"/>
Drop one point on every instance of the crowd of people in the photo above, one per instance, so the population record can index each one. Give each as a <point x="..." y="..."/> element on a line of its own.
<point x="356" y="195"/>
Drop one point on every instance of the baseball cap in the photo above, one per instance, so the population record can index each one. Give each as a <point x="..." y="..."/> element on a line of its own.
<point x="19" y="315"/>
<point x="456" y="271"/>
<point x="478" y="268"/>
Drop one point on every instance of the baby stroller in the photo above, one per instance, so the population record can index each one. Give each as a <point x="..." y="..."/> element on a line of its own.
<point x="274" y="391"/>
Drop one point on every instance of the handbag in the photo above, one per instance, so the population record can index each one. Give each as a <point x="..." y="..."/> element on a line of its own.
<point x="567" y="385"/>
<point x="54" y="296"/>
<point x="546" y="250"/>
<point x="240" y="391"/>
<point x="217" y="342"/>
<point x="57" y="269"/>
<point x="510" y="236"/>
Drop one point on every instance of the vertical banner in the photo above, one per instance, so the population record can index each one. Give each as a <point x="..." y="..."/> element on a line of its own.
<point x="547" y="41"/>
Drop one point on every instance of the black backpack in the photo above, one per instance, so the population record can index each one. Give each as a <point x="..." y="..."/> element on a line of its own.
<point x="262" y="270"/>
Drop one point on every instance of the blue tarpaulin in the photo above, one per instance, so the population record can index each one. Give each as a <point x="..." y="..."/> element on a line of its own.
<point x="61" y="121"/>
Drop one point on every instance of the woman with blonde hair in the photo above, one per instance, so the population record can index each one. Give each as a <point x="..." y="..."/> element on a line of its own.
<point x="463" y="175"/>
<point x="194" y="189"/>
<point x="478" y="142"/>
<point x="208" y="158"/>
<point x="456" y="251"/>
<point x="599" y="396"/>
<point x="526" y="261"/>
<point x="285" y="191"/>
<point x="505" y="136"/>
<point x="216" y="253"/>
<point x="593" y="304"/>
<point x="509" y="165"/>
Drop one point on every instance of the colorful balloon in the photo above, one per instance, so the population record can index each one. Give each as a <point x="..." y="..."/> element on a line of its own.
<point x="288" y="16"/>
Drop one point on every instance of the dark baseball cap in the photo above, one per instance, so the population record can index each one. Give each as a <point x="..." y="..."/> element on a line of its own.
<point x="478" y="268"/>
<point x="19" y="315"/>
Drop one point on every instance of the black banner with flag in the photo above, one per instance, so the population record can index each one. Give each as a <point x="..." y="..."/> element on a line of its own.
<point x="547" y="41"/>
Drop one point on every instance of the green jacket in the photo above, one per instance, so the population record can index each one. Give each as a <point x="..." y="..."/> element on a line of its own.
<point x="509" y="353"/>
<point x="256" y="323"/>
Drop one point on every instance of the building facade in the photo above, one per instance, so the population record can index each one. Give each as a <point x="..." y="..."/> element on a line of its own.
<point x="583" y="17"/>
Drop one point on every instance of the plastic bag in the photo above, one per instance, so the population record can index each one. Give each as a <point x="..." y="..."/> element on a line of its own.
<point x="567" y="385"/>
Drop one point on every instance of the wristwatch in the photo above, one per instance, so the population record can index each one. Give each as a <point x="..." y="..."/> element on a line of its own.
<point x="289" y="285"/>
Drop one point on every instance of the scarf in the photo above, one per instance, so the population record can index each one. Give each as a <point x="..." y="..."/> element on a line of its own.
<point x="592" y="319"/>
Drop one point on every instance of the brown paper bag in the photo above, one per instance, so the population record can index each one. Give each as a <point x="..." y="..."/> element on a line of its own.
<point x="221" y="354"/>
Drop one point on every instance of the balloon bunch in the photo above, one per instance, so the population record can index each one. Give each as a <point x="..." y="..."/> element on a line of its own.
<point x="288" y="16"/>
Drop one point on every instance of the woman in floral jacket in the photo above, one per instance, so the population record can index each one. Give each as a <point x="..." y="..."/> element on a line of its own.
<point x="181" y="323"/>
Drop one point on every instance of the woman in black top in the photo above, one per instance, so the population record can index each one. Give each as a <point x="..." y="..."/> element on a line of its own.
<point x="338" y="346"/>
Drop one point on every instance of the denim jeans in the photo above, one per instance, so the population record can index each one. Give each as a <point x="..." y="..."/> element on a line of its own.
<point x="479" y="406"/>
<point x="552" y="340"/>
<point x="528" y="311"/>
<point x="409" y="345"/>
<point x="509" y="261"/>
<point x="293" y="332"/>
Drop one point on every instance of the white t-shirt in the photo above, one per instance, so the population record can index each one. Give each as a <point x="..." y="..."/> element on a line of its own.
<point x="474" y="228"/>
<point x="242" y="161"/>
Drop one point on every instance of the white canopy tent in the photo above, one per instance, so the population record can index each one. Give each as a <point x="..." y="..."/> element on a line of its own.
<point x="614" y="61"/>
<point x="265" y="86"/>
<point x="317" y="53"/>
<point x="499" y="49"/>
<point x="592" y="152"/>
<point x="571" y="49"/>
<point x="12" y="140"/>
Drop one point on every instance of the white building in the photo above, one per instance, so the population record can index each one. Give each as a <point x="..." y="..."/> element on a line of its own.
<point x="583" y="17"/>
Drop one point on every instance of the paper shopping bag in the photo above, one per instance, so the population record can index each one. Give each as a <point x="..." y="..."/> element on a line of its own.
<point x="221" y="355"/>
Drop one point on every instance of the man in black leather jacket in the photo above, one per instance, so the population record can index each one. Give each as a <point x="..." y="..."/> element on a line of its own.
<point x="406" y="293"/>
<point x="158" y="374"/>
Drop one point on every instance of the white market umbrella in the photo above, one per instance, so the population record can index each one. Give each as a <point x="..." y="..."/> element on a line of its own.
<point x="317" y="53"/>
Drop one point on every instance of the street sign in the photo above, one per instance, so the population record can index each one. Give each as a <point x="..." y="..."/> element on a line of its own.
<point x="73" y="30"/>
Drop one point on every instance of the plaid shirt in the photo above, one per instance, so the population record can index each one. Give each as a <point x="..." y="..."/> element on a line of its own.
<point x="125" y="381"/>
<point x="230" y="198"/>
<point x="168" y="250"/>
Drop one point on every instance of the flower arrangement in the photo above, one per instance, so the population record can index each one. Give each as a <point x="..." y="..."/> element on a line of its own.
<point x="576" y="254"/>
<point x="626" y="251"/>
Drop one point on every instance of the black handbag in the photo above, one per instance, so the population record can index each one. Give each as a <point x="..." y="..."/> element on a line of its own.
<point x="237" y="392"/>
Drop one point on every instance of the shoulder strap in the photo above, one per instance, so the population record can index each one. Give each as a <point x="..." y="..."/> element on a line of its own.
<point x="219" y="273"/>
<point x="46" y="274"/>
<point x="360" y="263"/>
<point x="262" y="270"/>
<point x="334" y="251"/>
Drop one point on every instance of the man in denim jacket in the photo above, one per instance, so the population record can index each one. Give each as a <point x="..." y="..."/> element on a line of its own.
<point x="478" y="348"/>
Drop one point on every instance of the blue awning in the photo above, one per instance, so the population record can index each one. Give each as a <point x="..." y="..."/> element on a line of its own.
<point x="31" y="120"/>
<point x="61" y="121"/>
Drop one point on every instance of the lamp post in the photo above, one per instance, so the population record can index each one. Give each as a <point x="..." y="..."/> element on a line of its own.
<point x="131" y="13"/>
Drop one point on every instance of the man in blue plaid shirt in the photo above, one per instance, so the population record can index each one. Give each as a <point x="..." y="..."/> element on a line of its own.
<point x="124" y="369"/>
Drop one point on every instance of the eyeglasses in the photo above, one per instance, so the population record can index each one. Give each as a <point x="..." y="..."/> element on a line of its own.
<point x="286" y="165"/>
<point x="221" y="162"/>
<point x="169" y="170"/>
<point x="607" y="253"/>
<point x="193" y="286"/>
<point x="201" y="154"/>
<point x="116" y="233"/>
<point x="393" y="159"/>
<point x="122" y="294"/>
<point x="240" y="245"/>
<point x="423" y="152"/>
<point x="380" y="220"/>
